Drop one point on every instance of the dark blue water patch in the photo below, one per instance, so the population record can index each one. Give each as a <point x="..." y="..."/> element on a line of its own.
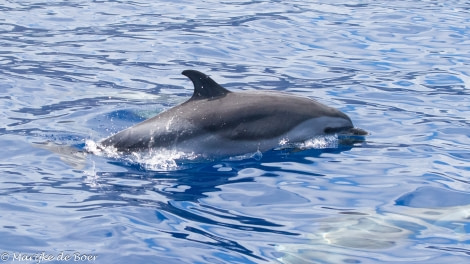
<point x="404" y="83"/>
<point x="218" y="241"/>
<point x="464" y="156"/>
<point x="432" y="197"/>
<point x="126" y="115"/>
<point x="118" y="120"/>
<point x="452" y="249"/>
<point x="199" y="181"/>
<point x="239" y="222"/>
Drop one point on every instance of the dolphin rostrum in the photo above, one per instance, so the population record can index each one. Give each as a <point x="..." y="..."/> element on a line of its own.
<point x="218" y="122"/>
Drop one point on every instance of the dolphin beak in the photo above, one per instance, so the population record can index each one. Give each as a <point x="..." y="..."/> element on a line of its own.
<point x="352" y="135"/>
<point x="354" y="131"/>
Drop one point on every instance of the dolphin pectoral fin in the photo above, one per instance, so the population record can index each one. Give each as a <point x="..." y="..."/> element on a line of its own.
<point x="204" y="86"/>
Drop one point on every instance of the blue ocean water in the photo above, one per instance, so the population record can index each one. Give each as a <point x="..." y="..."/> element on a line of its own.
<point x="74" y="72"/>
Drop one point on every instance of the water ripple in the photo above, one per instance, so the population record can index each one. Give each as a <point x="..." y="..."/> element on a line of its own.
<point x="72" y="72"/>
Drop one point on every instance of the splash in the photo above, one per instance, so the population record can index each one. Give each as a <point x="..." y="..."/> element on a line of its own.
<point x="320" y="142"/>
<point x="91" y="177"/>
<point x="96" y="148"/>
<point x="152" y="159"/>
<point x="172" y="159"/>
<point x="162" y="159"/>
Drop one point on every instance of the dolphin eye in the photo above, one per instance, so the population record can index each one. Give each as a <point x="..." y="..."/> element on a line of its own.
<point x="329" y="130"/>
<point x="332" y="130"/>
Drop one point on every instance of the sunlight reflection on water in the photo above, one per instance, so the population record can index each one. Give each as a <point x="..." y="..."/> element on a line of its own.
<point x="74" y="72"/>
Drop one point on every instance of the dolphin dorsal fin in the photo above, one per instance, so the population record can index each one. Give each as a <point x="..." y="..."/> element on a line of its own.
<point x="204" y="86"/>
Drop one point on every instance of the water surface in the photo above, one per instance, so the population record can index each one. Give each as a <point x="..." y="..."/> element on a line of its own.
<point x="78" y="71"/>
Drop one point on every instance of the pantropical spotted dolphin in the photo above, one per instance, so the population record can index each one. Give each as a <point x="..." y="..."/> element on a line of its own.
<point x="218" y="122"/>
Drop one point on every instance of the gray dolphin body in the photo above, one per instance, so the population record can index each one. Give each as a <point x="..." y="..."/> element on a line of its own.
<point x="217" y="122"/>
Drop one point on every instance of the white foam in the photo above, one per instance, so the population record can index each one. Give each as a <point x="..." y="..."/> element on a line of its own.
<point x="172" y="159"/>
<point x="91" y="177"/>
<point x="161" y="159"/>
<point x="320" y="142"/>
<point x="152" y="159"/>
<point x="99" y="150"/>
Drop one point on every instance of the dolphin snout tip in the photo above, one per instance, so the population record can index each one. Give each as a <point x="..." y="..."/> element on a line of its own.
<point x="355" y="131"/>
<point x="352" y="131"/>
<point x="352" y="135"/>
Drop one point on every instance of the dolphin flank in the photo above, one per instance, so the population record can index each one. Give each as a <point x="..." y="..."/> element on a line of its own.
<point x="218" y="122"/>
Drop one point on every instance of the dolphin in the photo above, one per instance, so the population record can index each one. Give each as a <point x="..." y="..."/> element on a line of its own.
<point x="218" y="122"/>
